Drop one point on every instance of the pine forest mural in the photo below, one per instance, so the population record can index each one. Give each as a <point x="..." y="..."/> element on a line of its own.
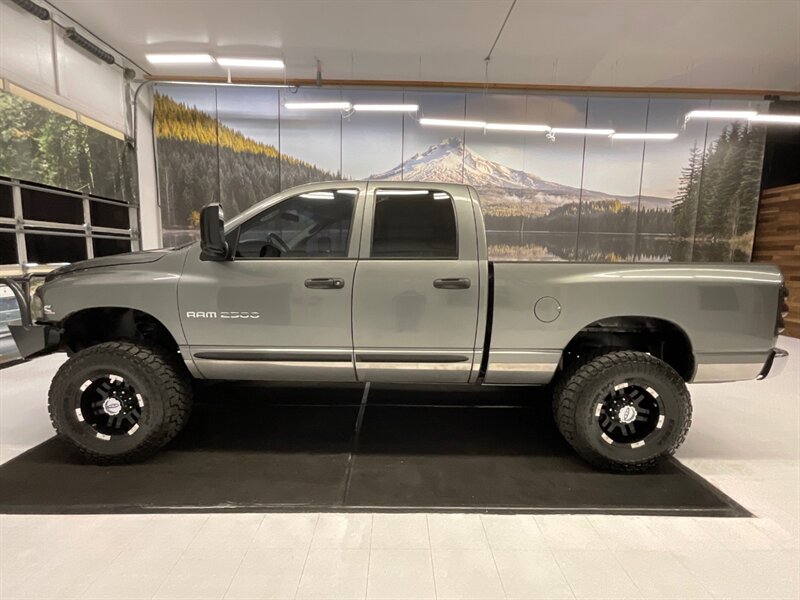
<point x="42" y="146"/>
<point x="569" y="198"/>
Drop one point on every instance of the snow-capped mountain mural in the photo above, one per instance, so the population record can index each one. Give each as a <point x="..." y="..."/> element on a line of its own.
<point x="502" y="188"/>
<point x="699" y="191"/>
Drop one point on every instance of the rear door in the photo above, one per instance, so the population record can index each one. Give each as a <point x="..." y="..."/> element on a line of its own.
<point x="416" y="291"/>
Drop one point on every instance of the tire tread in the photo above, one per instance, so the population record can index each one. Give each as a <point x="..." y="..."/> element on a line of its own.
<point x="170" y="375"/>
<point x="572" y="383"/>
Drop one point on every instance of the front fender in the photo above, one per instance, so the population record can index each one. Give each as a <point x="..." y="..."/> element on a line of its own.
<point x="151" y="288"/>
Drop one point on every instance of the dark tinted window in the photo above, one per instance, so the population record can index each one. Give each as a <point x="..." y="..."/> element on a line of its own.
<point x="6" y="204"/>
<point x="107" y="246"/>
<point x="311" y="225"/>
<point x="43" y="249"/>
<point x="40" y="205"/>
<point x="414" y="226"/>
<point x="8" y="247"/>
<point x="110" y="215"/>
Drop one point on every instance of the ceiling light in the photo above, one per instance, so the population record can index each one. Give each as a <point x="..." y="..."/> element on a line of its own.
<point x="220" y="84"/>
<point x="644" y="136"/>
<point x="787" y="119"/>
<point x="179" y="59"/>
<point x="516" y="127"/>
<point x="258" y="63"/>
<point x="453" y="123"/>
<point x="318" y="195"/>
<point x="387" y="107"/>
<point x="721" y="114"/>
<point x="318" y="105"/>
<point x="579" y="131"/>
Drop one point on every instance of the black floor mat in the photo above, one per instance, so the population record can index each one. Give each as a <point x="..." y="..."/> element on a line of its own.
<point x="267" y="447"/>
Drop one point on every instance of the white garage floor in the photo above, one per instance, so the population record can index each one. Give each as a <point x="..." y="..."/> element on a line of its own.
<point x="745" y="440"/>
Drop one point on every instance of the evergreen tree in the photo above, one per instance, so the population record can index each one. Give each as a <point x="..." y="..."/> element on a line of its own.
<point x="685" y="202"/>
<point x="749" y="183"/>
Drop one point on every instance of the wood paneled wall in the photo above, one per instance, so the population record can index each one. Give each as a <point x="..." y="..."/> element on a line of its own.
<point x="777" y="240"/>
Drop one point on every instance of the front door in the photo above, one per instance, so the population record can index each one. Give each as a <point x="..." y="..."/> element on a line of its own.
<point x="415" y="300"/>
<point x="280" y="310"/>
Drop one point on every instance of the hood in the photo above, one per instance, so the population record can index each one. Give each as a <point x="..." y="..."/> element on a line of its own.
<point x="129" y="258"/>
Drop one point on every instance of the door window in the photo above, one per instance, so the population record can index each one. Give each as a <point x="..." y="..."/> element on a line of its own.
<point x="310" y="225"/>
<point x="414" y="224"/>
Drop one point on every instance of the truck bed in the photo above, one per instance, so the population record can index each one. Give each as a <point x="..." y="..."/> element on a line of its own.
<point x="537" y="309"/>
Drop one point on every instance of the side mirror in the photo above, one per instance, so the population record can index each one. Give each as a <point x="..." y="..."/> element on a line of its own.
<point x="212" y="234"/>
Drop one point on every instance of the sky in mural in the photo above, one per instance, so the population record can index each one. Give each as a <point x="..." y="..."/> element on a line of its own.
<point x="372" y="143"/>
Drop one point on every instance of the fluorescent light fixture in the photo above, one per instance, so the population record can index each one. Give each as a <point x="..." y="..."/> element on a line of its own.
<point x="441" y="196"/>
<point x="644" y="136"/>
<point x="452" y="123"/>
<point x="785" y="119"/>
<point x="258" y="63"/>
<point x="402" y="192"/>
<point x="348" y="192"/>
<point x="721" y="114"/>
<point x="318" y="105"/>
<point x="318" y="195"/>
<point x="580" y="131"/>
<point x="220" y="84"/>
<point x="179" y="59"/>
<point x="516" y="127"/>
<point x="386" y="107"/>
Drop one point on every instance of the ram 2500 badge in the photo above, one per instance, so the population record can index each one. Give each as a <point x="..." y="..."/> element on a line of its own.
<point x="391" y="282"/>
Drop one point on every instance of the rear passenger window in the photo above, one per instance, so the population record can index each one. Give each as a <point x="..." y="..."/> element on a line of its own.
<point x="414" y="224"/>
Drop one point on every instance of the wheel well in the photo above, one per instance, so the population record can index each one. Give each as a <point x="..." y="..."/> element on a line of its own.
<point x="660" y="338"/>
<point x="94" y="326"/>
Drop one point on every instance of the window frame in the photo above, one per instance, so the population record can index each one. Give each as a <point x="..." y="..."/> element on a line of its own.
<point x="21" y="226"/>
<point x="238" y="229"/>
<point x="374" y="207"/>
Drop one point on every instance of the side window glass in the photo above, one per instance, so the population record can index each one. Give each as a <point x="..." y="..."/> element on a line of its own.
<point x="310" y="225"/>
<point x="414" y="224"/>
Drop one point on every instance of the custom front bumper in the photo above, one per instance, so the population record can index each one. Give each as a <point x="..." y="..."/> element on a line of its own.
<point x="31" y="338"/>
<point x="776" y="363"/>
<point x="34" y="340"/>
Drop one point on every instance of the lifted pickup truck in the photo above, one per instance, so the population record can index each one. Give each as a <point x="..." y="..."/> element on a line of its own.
<point x="391" y="282"/>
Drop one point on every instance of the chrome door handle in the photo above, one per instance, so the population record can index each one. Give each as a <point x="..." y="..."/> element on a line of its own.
<point x="452" y="283"/>
<point x="325" y="283"/>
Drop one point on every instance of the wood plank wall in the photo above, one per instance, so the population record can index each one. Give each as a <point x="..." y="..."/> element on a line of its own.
<point x="777" y="240"/>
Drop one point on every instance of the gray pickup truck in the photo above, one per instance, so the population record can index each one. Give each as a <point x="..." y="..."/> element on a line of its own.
<point x="391" y="282"/>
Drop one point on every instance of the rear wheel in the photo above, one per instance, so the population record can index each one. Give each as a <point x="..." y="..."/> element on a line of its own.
<point x="623" y="411"/>
<point x="120" y="402"/>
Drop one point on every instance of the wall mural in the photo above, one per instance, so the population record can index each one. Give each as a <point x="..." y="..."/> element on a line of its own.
<point x="42" y="146"/>
<point x="575" y="197"/>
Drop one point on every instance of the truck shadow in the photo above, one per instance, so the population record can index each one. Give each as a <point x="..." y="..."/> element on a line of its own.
<point x="396" y="420"/>
<point x="254" y="447"/>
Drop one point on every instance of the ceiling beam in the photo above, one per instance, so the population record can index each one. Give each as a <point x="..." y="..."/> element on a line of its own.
<point x="515" y="87"/>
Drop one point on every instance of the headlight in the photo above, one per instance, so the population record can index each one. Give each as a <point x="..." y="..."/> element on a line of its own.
<point x="37" y="307"/>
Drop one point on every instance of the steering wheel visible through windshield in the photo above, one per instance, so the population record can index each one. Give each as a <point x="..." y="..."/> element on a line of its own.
<point x="310" y="225"/>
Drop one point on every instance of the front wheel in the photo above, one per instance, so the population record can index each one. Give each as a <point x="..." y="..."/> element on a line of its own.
<point x="624" y="411"/>
<point x="119" y="402"/>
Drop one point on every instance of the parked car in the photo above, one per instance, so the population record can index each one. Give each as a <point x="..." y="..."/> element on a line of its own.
<point x="391" y="282"/>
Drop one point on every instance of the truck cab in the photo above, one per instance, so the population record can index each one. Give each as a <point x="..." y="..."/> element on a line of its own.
<point x="379" y="281"/>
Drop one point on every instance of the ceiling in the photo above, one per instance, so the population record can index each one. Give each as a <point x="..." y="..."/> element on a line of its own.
<point x="643" y="43"/>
